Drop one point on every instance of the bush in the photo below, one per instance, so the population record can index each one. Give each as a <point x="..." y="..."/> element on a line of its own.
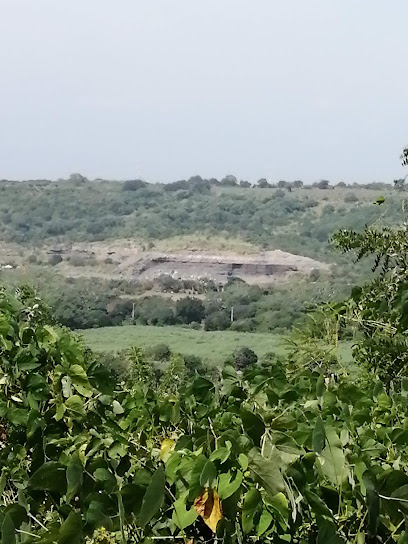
<point x="244" y="357"/>
<point x="350" y="198"/>
<point x="133" y="185"/>
<point x="189" y="310"/>
<point x="159" y="352"/>
<point x="55" y="259"/>
<point x="77" y="260"/>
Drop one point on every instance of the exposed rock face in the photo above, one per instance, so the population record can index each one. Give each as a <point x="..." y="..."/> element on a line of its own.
<point x="268" y="266"/>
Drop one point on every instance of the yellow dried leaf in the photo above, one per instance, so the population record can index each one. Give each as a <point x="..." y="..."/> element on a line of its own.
<point x="167" y="446"/>
<point x="208" y="506"/>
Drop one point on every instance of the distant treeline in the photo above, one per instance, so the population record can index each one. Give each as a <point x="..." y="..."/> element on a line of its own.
<point x="201" y="184"/>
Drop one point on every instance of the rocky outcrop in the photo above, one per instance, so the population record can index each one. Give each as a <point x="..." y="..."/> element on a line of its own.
<point x="263" y="267"/>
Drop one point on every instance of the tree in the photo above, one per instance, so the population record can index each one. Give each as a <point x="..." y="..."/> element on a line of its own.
<point x="244" y="358"/>
<point x="189" y="310"/>
<point x="323" y="184"/>
<point x="133" y="184"/>
<point x="399" y="184"/>
<point x="298" y="184"/>
<point x="229" y="181"/>
<point x="263" y="184"/>
<point x="77" y="178"/>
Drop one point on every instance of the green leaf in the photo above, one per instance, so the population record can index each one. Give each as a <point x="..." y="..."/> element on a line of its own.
<point x="75" y="406"/>
<point x="117" y="408"/>
<point x="319" y="436"/>
<point x="50" y="476"/>
<point x="80" y="380"/>
<point x="328" y="534"/>
<point x="318" y="507"/>
<point x="266" y="472"/>
<point x="403" y="539"/>
<point x="373" y="504"/>
<point x="320" y="387"/>
<point x="226" y="487"/>
<point x="71" y="529"/>
<point x="181" y="516"/>
<point x="74" y="477"/>
<point x="252" y="503"/>
<point x="264" y="522"/>
<point x="253" y="425"/>
<point x="18" y="514"/>
<point x="8" y="531"/>
<point x="154" y="497"/>
<point x="208" y="475"/>
<point x="243" y="461"/>
<point x="195" y="487"/>
<point x="280" y="504"/>
<point x="333" y="463"/>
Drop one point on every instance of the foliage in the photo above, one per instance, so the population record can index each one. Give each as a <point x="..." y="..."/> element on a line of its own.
<point x="244" y="358"/>
<point x="189" y="310"/>
<point x="77" y="211"/>
<point x="378" y="309"/>
<point x="266" y="456"/>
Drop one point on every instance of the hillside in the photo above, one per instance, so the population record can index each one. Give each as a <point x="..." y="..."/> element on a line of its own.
<point x="102" y="253"/>
<point x="299" y="221"/>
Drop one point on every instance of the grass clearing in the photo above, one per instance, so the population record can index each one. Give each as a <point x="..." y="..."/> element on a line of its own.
<point x="213" y="346"/>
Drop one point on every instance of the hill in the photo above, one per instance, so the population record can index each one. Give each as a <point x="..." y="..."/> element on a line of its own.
<point x="102" y="253"/>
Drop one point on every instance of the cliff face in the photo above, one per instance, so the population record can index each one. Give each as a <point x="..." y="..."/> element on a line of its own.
<point x="268" y="266"/>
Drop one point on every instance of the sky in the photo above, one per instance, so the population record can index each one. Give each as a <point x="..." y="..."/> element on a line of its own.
<point x="164" y="90"/>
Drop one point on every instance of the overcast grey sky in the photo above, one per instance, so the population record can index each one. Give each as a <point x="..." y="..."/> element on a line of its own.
<point x="283" y="89"/>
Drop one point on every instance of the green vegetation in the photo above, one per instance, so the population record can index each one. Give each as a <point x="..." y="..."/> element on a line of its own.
<point x="85" y="292"/>
<point x="214" y="347"/>
<point x="278" y="441"/>
<point x="291" y="218"/>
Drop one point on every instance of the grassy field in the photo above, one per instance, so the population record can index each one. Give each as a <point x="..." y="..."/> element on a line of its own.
<point x="214" y="347"/>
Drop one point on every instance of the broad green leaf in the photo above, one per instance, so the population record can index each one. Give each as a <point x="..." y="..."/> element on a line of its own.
<point x="18" y="513"/>
<point x="333" y="463"/>
<point x="75" y="406"/>
<point x="96" y="517"/>
<point x="328" y="534"/>
<point x="403" y="539"/>
<point x="373" y="504"/>
<point x="79" y="380"/>
<point x="181" y="516"/>
<point x="71" y="529"/>
<point x="319" y="436"/>
<point x="74" y="477"/>
<point x="59" y="414"/>
<point x="252" y="503"/>
<point x="208" y="475"/>
<point x="253" y="425"/>
<point x="117" y="408"/>
<point x="8" y="531"/>
<point x="320" y="387"/>
<point x="221" y="454"/>
<point x="264" y="522"/>
<point x="195" y="486"/>
<point x="280" y="504"/>
<point x="50" y="476"/>
<point x="154" y="497"/>
<point x="266" y="472"/>
<point x="243" y="461"/>
<point x="318" y="507"/>
<point x="226" y="487"/>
